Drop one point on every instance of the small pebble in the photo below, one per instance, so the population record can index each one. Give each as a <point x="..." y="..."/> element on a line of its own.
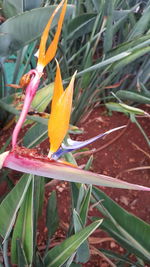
<point x="113" y="245"/>
<point x="61" y="189"/>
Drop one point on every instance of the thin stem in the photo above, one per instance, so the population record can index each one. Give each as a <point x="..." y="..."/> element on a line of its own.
<point x="140" y="149"/>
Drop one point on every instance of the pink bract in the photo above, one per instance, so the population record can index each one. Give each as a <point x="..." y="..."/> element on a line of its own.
<point x="29" y="161"/>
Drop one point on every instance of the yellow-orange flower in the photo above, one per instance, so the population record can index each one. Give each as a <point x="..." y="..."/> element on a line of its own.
<point x="44" y="56"/>
<point x="60" y="111"/>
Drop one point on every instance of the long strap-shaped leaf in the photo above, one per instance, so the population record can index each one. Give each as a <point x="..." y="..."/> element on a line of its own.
<point x="133" y="231"/>
<point x="11" y="204"/>
<point x="23" y="229"/>
<point x="59" y="254"/>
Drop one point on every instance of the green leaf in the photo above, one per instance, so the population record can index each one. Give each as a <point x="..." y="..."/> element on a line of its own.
<point x="7" y="105"/>
<point x="83" y="253"/>
<point x="86" y="77"/>
<point x="39" y="261"/>
<point x="139" y="42"/>
<point x="43" y="98"/>
<point x="121" y="14"/>
<point x="118" y="257"/>
<point x="85" y="206"/>
<point x="130" y="227"/>
<point x="59" y="254"/>
<point x="121" y="107"/>
<point x="31" y="4"/>
<point x="9" y="44"/>
<point x="52" y="219"/>
<point x="11" y="204"/>
<point x="89" y="163"/>
<point x="110" y="228"/>
<point x="104" y="63"/>
<point x="35" y="135"/>
<point x="77" y="194"/>
<point x="39" y="186"/>
<point x="21" y="6"/>
<point x="5" y="145"/>
<point x="130" y="58"/>
<point x="108" y="37"/>
<point x="28" y="26"/>
<point x="81" y="25"/>
<point x="68" y="263"/>
<point x="18" y="4"/>
<point x="22" y="261"/>
<point x="133" y="96"/>
<point x="9" y="9"/>
<point x="24" y="227"/>
<point x="116" y="107"/>
<point x="142" y="25"/>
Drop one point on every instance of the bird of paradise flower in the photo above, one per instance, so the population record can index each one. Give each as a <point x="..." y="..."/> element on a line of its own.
<point x="29" y="161"/>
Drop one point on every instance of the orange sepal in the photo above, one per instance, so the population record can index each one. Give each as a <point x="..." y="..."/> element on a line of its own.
<point x="60" y="116"/>
<point x="58" y="87"/>
<point x="46" y="56"/>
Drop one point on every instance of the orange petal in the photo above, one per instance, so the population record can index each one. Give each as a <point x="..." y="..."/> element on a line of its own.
<point x="60" y="116"/>
<point x="58" y="87"/>
<point x="45" y="57"/>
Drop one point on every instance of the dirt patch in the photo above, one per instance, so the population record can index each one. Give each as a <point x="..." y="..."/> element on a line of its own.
<point x="129" y="151"/>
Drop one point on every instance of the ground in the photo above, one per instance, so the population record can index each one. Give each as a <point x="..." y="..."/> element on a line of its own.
<point x="113" y="156"/>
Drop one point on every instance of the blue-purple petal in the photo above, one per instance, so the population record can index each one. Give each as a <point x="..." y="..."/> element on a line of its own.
<point x="74" y="145"/>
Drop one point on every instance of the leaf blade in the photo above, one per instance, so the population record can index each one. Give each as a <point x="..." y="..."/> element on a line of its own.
<point x="11" y="204"/>
<point x="130" y="227"/>
<point x="58" y="255"/>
